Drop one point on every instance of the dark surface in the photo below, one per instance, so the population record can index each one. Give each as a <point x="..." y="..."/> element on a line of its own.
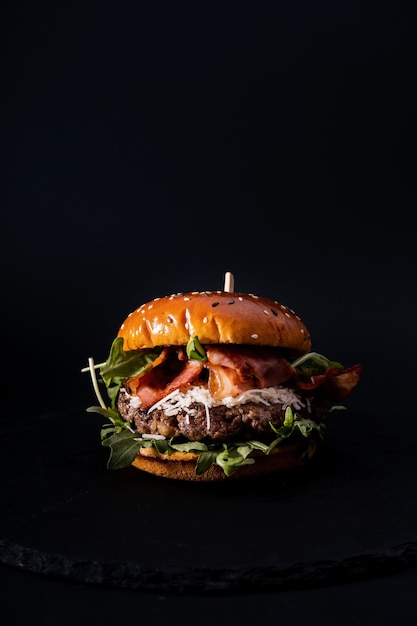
<point x="354" y="508"/>
<point x="147" y="151"/>
<point x="386" y="600"/>
<point x="350" y="515"/>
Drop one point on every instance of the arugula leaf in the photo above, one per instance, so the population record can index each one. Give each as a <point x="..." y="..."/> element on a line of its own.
<point x="293" y="422"/>
<point x="195" y="350"/>
<point x="162" y="445"/>
<point x="121" y="365"/>
<point x="124" y="443"/>
<point x="189" y="446"/>
<point x="231" y="458"/>
<point x="313" y="363"/>
<point x="123" y="449"/>
<point x="117" y="425"/>
<point x="111" y="414"/>
<point x="205" y="460"/>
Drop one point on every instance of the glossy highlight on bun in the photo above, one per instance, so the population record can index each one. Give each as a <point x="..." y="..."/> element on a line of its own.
<point x="215" y="317"/>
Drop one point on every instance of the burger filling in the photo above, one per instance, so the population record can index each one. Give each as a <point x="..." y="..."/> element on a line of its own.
<point x="220" y="401"/>
<point x="195" y="415"/>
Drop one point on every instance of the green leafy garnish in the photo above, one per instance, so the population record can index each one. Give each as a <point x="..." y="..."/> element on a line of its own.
<point x="205" y="460"/>
<point x="195" y="350"/>
<point x="314" y="363"/>
<point x="125" y="444"/>
<point x="231" y="458"/>
<point x="123" y="449"/>
<point x="293" y="422"/>
<point x="121" y="365"/>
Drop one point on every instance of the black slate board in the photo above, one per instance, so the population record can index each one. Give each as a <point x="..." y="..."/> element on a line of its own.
<point x="350" y="514"/>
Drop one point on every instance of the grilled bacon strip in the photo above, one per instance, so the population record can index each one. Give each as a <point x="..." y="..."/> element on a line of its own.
<point x="233" y="369"/>
<point x="171" y="373"/>
<point x="335" y="383"/>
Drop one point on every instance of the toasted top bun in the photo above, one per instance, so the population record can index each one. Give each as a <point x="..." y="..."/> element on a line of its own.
<point x="216" y="317"/>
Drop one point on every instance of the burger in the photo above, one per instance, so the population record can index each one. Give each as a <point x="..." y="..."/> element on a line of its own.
<point x="215" y="385"/>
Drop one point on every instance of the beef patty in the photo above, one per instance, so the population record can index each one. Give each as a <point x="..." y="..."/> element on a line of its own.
<point x="222" y="423"/>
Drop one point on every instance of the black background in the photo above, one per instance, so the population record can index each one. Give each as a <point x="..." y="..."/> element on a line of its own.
<point x="149" y="149"/>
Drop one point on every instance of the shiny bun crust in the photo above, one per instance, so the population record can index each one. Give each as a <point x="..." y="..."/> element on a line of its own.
<point x="181" y="466"/>
<point x="215" y="318"/>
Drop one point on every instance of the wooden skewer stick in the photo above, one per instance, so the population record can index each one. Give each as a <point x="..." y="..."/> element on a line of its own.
<point x="229" y="282"/>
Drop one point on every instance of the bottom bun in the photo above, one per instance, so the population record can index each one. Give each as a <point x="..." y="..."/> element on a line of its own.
<point x="287" y="456"/>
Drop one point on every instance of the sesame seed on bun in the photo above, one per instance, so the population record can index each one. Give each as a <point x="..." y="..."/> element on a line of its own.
<point x="216" y="318"/>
